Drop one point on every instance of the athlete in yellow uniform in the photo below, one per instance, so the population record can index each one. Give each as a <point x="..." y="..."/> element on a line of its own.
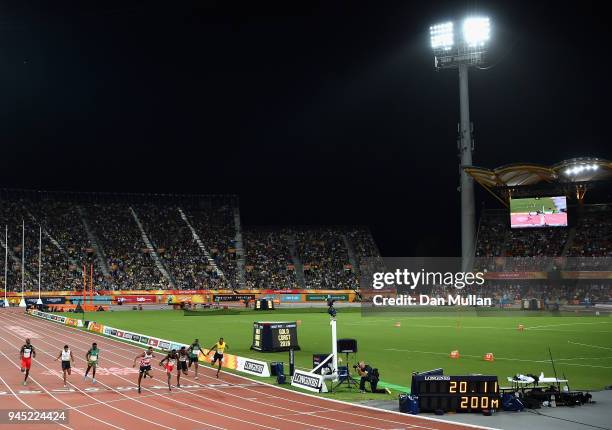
<point x="218" y="349"/>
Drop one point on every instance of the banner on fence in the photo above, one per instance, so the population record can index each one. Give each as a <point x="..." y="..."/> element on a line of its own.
<point x="232" y="297"/>
<point x="290" y="298"/>
<point x="150" y="298"/>
<point x="46" y="300"/>
<point x="324" y="297"/>
<point x="230" y="361"/>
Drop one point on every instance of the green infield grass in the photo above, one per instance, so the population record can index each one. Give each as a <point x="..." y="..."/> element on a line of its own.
<point x="401" y="344"/>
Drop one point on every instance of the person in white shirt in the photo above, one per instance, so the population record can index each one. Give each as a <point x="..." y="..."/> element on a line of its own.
<point x="67" y="358"/>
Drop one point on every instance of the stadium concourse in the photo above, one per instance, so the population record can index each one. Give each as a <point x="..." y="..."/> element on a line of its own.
<point x="230" y="402"/>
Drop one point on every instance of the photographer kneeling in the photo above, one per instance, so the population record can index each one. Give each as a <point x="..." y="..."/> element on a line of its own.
<point x="370" y="375"/>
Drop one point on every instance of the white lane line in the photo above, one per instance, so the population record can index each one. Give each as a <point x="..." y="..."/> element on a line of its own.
<point x="499" y="358"/>
<point x="76" y="337"/>
<point x="42" y="326"/>
<point x="280" y="417"/>
<point x="303" y="395"/>
<point x="589" y="346"/>
<point x="566" y="324"/>
<point x="50" y="394"/>
<point x="86" y="394"/>
<point x="583" y="358"/>
<point x="26" y="404"/>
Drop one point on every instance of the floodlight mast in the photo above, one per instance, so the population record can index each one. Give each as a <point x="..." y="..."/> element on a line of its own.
<point x="468" y="210"/>
<point x="460" y="51"/>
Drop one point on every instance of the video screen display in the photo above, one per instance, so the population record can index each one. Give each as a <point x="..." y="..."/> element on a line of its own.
<point x="536" y="212"/>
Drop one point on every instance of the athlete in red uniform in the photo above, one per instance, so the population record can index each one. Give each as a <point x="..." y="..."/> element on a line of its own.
<point x="26" y="353"/>
<point x="145" y="364"/>
<point x="170" y="360"/>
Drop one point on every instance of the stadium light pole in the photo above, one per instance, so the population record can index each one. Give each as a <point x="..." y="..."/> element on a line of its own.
<point x="39" y="301"/>
<point x="461" y="49"/>
<point x="22" y="302"/>
<point x="6" y="302"/>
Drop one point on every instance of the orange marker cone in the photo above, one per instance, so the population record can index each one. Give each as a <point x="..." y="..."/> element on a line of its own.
<point x="454" y="354"/>
<point x="489" y="357"/>
<point x="397" y="324"/>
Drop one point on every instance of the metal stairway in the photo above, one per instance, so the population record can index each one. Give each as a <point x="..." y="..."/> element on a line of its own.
<point x="55" y="243"/>
<point x="158" y="263"/>
<point x="201" y="245"/>
<point x="100" y="255"/>
<point x="297" y="263"/>
<point x="240" y="255"/>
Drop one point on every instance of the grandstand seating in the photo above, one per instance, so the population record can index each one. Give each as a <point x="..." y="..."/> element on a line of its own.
<point x="325" y="258"/>
<point x="143" y="242"/>
<point x="529" y="247"/>
<point x="146" y="242"/>
<point x="269" y="259"/>
<point x="585" y="246"/>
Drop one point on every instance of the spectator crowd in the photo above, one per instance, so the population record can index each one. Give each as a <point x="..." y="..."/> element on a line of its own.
<point x="190" y="245"/>
<point x="146" y="245"/>
<point x="585" y="245"/>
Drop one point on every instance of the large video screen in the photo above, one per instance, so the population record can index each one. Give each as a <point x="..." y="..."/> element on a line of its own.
<point x="538" y="212"/>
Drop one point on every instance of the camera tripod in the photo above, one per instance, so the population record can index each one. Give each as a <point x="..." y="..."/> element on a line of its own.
<point x="347" y="379"/>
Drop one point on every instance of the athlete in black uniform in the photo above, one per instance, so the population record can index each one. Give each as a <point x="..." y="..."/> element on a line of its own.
<point x="182" y="365"/>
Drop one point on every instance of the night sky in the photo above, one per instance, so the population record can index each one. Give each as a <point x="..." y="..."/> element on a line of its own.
<point x="312" y="114"/>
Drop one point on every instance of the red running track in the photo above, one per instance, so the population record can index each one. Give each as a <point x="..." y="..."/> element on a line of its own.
<point x="230" y="402"/>
<point x="526" y="220"/>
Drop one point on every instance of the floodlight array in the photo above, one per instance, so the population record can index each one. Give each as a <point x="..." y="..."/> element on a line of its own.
<point x="442" y="36"/>
<point x="476" y="31"/>
<point x="576" y="170"/>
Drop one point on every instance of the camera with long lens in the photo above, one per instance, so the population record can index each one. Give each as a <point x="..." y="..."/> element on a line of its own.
<point x="330" y="308"/>
<point x="332" y="311"/>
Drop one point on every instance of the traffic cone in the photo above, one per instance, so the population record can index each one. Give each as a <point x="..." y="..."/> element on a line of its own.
<point x="521" y="327"/>
<point x="454" y="354"/>
<point x="397" y="324"/>
<point x="489" y="357"/>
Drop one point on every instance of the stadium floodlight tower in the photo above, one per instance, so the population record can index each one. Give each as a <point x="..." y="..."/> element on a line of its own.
<point x="461" y="49"/>
<point x="6" y="302"/>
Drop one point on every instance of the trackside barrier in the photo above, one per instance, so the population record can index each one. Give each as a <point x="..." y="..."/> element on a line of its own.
<point x="230" y="361"/>
<point x="309" y="381"/>
<point x="195" y="296"/>
<point x="97" y="300"/>
<point x="57" y="318"/>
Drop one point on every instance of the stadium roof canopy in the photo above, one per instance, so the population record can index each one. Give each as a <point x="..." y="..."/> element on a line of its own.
<point x="521" y="174"/>
<point x="575" y="173"/>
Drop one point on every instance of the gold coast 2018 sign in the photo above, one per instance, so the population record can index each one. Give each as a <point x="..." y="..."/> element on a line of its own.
<point x="275" y="336"/>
